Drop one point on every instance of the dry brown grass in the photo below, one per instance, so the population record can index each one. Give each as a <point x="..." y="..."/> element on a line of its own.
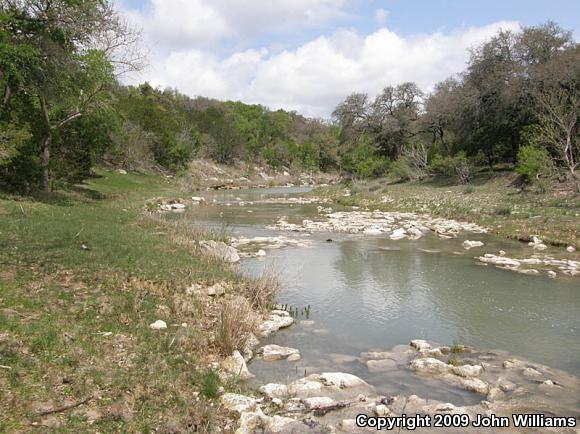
<point x="262" y="291"/>
<point x="236" y="321"/>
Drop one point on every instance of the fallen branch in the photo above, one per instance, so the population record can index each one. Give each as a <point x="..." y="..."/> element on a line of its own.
<point x="66" y="407"/>
<point x="319" y="411"/>
<point x="5" y="367"/>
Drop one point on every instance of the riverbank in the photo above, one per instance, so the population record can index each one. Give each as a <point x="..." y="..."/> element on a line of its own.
<point x="113" y="319"/>
<point x="209" y="175"/>
<point x="491" y="201"/>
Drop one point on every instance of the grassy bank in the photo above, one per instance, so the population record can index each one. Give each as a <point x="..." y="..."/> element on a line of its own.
<point x="490" y="200"/>
<point x="82" y="275"/>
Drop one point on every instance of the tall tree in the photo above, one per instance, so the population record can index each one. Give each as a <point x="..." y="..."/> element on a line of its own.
<point x="74" y="45"/>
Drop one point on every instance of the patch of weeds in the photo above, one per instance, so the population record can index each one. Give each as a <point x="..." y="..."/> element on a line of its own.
<point x="46" y="339"/>
<point x="470" y="189"/>
<point x="208" y="382"/>
<point x="457" y="348"/>
<point x="503" y="210"/>
<point x="453" y="360"/>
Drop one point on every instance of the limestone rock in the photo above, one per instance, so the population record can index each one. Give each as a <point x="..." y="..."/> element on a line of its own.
<point x="220" y="250"/>
<point x="277" y="352"/>
<point x="318" y="402"/>
<point x="430" y="366"/>
<point x="278" y="320"/>
<point x="236" y="365"/>
<point x="471" y="244"/>
<point x="237" y="403"/>
<point x="381" y="365"/>
<point x="158" y="325"/>
<point x="216" y="290"/>
<point x="468" y="371"/>
<point x="420" y="345"/>
<point x="341" y="379"/>
<point x="274" y="390"/>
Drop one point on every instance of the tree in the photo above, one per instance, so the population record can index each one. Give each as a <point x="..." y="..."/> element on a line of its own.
<point x="73" y="48"/>
<point x="393" y="119"/>
<point x="557" y="93"/>
<point x="352" y="115"/>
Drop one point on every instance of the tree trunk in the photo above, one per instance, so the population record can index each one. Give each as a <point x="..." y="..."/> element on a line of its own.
<point x="45" y="160"/>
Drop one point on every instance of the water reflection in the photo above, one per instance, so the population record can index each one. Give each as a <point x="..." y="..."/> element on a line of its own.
<point x="373" y="293"/>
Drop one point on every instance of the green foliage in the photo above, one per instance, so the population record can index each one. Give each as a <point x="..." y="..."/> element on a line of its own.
<point x="209" y="383"/>
<point x="457" y="167"/>
<point x="363" y="161"/>
<point x="532" y="162"/>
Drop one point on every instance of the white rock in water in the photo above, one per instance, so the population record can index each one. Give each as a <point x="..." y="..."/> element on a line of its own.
<point x="274" y="390"/>
<point x="398" y="234"/>
<point x="261" y="253"/>
<point x="237" y="403"/>
<point x="499" y="260"/>
<point x="341" y="379"/>
<point x="276" y="352"/>
<point x="236" y="365"/>
<point x="304" y="387"/>
<point x="158" y="325"/>
<point x="381" y="365"/>
<point x="430" y="366"/>
<point x="420" y="345"/>
<point x="475" y="385"/>
<point x="552" y="274"/>
<point x="540" y="246"/>
<point x="197" y="199"/>
<point x="275" y="323"/>
<point x="318" y="402"/>
<point x="468" y="370"/>
<point x="571" y="249"/>
<point x="471" y="244"/>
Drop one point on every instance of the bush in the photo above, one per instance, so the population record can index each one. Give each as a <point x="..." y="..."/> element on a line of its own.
<point x="404" y="169"/>
<point x="532" y="163"/>
<point x="363" y="162"/>
<point x="457" y="167"/>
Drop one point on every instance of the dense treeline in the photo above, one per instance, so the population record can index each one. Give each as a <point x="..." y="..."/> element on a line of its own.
<point x="168" y="128"/>
<point x="517" y="102"/>
<point x="63" y="110"/>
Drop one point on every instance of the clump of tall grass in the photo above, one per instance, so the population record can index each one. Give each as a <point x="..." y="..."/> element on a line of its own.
<point x="261" y="291"/>
<point x="236" y="321"/>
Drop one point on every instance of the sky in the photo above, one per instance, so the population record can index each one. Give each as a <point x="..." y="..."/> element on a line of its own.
<point x="308" y="55"/>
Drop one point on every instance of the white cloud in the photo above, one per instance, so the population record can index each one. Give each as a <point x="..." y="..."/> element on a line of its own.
<point x="187" y="22"/>
<point x="381" y="16"/>
<point x="311" y="78"/>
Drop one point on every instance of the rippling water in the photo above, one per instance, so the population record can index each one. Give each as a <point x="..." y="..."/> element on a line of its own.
<point x="370" y="293"/>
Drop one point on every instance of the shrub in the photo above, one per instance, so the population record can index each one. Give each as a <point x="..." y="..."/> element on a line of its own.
<point x="363" y="162"/>
<point x="457" y="167"/>
<point x="532" y="162"/>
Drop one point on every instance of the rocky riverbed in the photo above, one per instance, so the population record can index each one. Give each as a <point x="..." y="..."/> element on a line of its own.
<point x="411" y="226"/>
<point x="329" y="402"/>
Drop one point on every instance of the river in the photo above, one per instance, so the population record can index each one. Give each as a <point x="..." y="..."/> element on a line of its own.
<point x="372" y="293"/>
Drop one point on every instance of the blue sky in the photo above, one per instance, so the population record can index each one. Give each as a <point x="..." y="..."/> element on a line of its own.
<point x="272" y="52"/>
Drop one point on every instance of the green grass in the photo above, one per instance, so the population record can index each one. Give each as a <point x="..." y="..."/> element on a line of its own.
<point x="82" y="275"/>
<point x="491" y="200"/>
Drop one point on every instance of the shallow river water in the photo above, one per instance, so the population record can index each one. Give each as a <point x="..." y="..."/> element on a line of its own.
<point x="371" y="293"/>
